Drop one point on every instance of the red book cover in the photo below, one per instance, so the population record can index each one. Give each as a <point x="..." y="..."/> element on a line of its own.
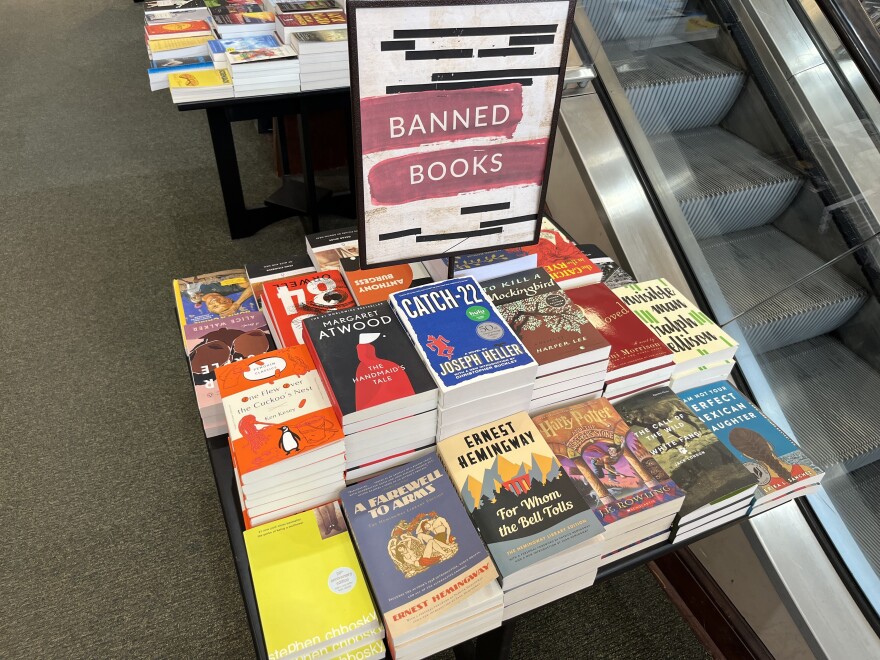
<point x="291" y="300"/>
<point x="177" y="29"/>
<point x="276" y="407"/>
<point x="632" y="342"/>
<point x="309" y="19"/>
<point x="565" y="262"/>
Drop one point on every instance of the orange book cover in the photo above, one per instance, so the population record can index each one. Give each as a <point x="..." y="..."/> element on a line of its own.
<point x="276" y="407"/>
<point x="176" y="29"/>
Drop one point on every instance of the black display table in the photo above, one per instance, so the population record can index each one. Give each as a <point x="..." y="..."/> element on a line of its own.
<point x="295" y="197"/>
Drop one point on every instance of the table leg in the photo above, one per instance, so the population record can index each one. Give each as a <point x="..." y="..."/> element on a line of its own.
<point x="495" y="643"/>
<point x="305" y="150"/>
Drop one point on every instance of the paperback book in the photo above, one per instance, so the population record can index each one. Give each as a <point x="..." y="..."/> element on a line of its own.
<point x="565" y="263"/>
<point x="613" y="275"/>
<point x="555" y="331"/>
<point x="760" y="445"/>
<point x="374" y="285"/>
<point x="524" y="505"/>
<point x="312" y="20"/>
<point x="157" y="32"/>
<point x="330" y="611"/>
<point x="321" y="41"/>
<point x="420" y="550"/>
<point x="614" y="472"/>
<point x="326" y="249"/>
<point x="367" y="362"/>
<point x="291" y="300"/>
<point x="693" y="337"/>
<point x="484" y="265"/>
<point x="308" y="5"/>
<point x="213" y="296"/>
<point x="687" y="451"/>
<point x="259" y="273"/>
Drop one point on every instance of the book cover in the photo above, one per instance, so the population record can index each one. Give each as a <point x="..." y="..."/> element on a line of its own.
<point x="565" y="263"/>
<point x="179" y="43"/>
<point x="327" y="248"/>
<point x="212" y="344"/>
<point x="613" y="275"/>
<point x="170" y="65"/>
<point x="312" y="550"/>
<point x="376" y="284"/>
<point x="758" y="443"/>
<point x="321" y="37"/>
<point x="216" y="78"/>
<point x="616" y="475"/>
<point x="521" y="500"/>
<point x="224" y="10"/>
<point x="365" y="358"/>
<point x="550" y="326"/>
<point x="632" y="342"/>
<point x="312" y="19"/>
<point x="687" y="451"/>
<point x="243" y="44"/>
<point x="260" y="55"/>
<point x="172" y="5"/>
<point x="420" y="550"/>
<point x="275" y="406"/>
<point x="308" y="5"/>
<point x="177" y="29"/>
<point x="291" y="300"/>
<point x="258" y="273"/>
<point x="245" y="18"/>
<point x="213" y="296"/>
<point x="675" y="320"/>
<point x="458" y="332"/>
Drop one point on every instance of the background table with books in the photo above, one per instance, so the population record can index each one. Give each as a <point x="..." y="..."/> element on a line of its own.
<point x="548" y="485"/>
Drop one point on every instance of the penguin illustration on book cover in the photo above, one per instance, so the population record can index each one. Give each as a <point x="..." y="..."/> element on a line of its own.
<point x="377" y="380"/>
<point x="289" y="440"/>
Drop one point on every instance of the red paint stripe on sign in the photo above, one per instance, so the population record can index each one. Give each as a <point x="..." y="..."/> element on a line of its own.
<point x="449" y="172"/>
<point x="413" y="119"/>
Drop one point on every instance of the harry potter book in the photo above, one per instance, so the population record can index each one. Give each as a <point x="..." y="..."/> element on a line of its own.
<point x="367" y="363"/>
<point x="422" y="555"/>
<point x="693" y="337"/>
<point x="523" y="503"/>
<point x="761" y="446"/>
<point x="554" y="330"/>
<point x="374" y="285"/>
<point x="330" y="610"/>
<point x="289" y="301"/>
<point x="466" y="345"/>
<point x="620" y="479"/>
<point x="690" y="453"/>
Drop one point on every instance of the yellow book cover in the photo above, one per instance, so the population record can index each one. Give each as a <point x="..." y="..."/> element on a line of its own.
<point x="311" y="592"/>
<point x="173" y="44"/>
<point x="207" y="78"/>
<point x="694" y="339"/>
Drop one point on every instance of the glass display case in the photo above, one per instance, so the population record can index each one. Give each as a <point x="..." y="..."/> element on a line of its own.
<point x="753" y="132"/>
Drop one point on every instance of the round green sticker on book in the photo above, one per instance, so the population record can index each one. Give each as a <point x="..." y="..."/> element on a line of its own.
<point x="477" y="313"/>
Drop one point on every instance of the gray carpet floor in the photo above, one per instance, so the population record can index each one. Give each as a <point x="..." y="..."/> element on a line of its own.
<point x="113" y="542"/>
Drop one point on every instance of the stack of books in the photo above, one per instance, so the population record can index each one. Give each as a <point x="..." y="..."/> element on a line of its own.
<point x="220" y="324"/>
<point x="286" y="443"/>
<point x="288" y="301"/>
<point x="542" y="535"/>
<point x="481" y="368"/>
<point x="269" y="70"/>
<point x="381" y="392"/>
<point x="565" y="262"/>
<point x="286" y="25"/>
<point x="370" y="285"/>
<point x="221" y="48"/>
<point x="205" y="85"/>
<point x="634" y="499"/>
<point x="483" y="265"/>
<point x="783" y="470"/>
<point x="433" y="581"/>
<point x="323" y="58"/>
<point x="162" y="67"/>
<point x="260" y="273"/>
<point x="177" y="39"/>
<point x="719" y="489"/>
<point x="330" y="610"/>
<point x="175" y="11"/>
<point x="326" y="249"/>
<point x="613" y="275"/>
<point x="638" y="360"/>
<point x="572" y="356"/>
<point x="233" y="19"/>
<point x="703" y="352"/>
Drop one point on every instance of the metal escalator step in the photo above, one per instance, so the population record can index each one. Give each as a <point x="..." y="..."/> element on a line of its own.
<point x="723" y="183"/>
<point x="752" y="265"/>
<point x="675" y="88"/>
<point x="854" y="495"/>
<point x="630" y="19"/>
<point x="829" y="396"/>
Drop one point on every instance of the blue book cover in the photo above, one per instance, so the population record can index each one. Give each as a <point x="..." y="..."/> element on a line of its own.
<point x="243" y="44"/>
<point x="177" y="64"/>
<point x="757" y="442"/>
<point x="459" y="333"/>
<point x="420" y="550"/>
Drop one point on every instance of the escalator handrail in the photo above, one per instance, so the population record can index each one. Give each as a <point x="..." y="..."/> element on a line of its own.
<point x="858" y="34"/>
